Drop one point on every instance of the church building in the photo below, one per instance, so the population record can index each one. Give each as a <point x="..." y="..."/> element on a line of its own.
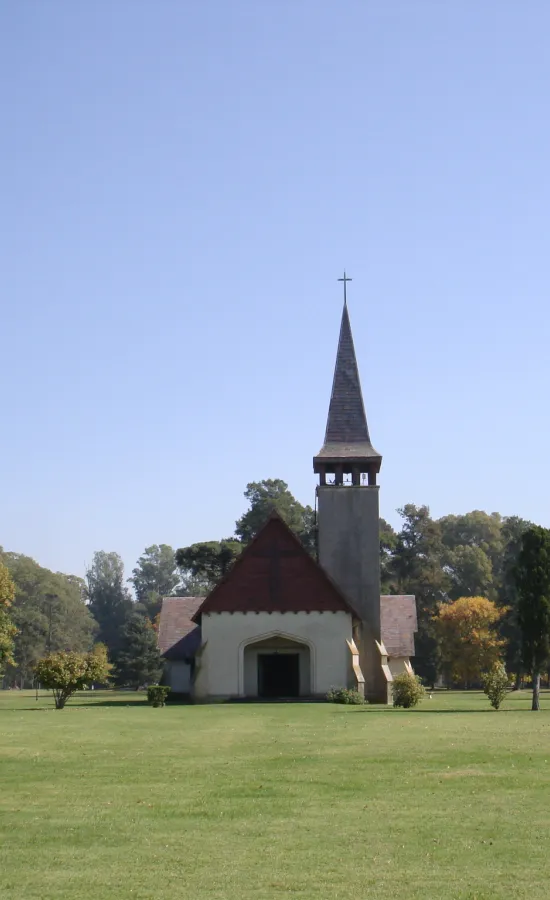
<point x="282" y="624"/>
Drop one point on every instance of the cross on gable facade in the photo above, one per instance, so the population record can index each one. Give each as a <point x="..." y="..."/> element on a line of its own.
<point x="274" y="553"/>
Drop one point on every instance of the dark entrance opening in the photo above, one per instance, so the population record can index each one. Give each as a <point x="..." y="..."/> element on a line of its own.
<point x="279" y="675"/>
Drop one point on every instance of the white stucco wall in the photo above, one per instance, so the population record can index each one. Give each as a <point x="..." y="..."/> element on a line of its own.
<point x="178" y="677"/>
<point x="220" y="671"/>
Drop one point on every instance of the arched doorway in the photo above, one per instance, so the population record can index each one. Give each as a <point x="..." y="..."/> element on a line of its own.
<point x="277" y="667"/>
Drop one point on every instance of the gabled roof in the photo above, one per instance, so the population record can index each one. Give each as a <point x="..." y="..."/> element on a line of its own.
<point x="275" y="574"/>
<point x="347" y="432"/>
<point x="398" y="623"/>
<point x="179" y="636"/>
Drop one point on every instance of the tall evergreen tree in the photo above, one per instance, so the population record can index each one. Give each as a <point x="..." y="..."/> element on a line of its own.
<point x="108" y="599"/>
<point x="532" y="576"/>
<point x="418" y="569"/>
<point x="513" y="528"/>
<point x="388" y="543"/>
<point x="137" y="660"/>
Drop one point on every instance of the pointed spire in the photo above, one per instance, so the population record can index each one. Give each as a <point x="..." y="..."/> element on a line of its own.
<point x="347" y="436"/>
<point x="347" y="422"/>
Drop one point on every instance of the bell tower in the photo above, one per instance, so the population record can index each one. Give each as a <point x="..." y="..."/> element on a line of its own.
<point x="348" y="506"/>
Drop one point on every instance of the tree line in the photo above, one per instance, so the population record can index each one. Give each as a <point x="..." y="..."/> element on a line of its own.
<point x="474" y="555"/>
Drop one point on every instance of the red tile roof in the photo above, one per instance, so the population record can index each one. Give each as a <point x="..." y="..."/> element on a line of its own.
<point x="398" y="623"/>
<point x="179" y="636"/>
<point x="275" y="574"/>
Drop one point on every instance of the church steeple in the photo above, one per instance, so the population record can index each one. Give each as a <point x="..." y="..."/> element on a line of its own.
<point x="347" y="449"/>
<point x="348" y="518"/>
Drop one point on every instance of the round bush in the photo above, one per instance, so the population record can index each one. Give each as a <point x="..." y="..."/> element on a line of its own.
<point x="407" y="690"/>
<point x="157" y="694"/>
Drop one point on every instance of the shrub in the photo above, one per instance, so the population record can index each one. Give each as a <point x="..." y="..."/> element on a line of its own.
<point x="345" y="695"/>
<point x="495" y="684"/>
<point x="157" y="694"/>
<point x="66" y="673"/>
<point x="407" y="690"/>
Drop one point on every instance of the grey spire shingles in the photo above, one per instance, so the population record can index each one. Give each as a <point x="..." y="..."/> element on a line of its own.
<point x="347" y="432"/>
<point x="347" y="422"/>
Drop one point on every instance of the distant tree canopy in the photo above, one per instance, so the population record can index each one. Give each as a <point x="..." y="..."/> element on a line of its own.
<point x="155" y="576"/>
<point x="7" y="628"/>
<point x="270" y="495"/>
<point x="108" y="599"/>
<point x="440" y="560"/>
<point x="49" y="613"/>
<point x="203" y="564"/>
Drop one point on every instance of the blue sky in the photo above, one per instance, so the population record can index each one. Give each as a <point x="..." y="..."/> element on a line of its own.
<point x="183" y="182"/>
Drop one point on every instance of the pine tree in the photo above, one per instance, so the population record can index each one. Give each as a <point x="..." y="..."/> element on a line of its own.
<point x="137" y="660"/>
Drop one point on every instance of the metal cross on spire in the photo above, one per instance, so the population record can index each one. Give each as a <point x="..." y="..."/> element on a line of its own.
<point x="345" y="279"/>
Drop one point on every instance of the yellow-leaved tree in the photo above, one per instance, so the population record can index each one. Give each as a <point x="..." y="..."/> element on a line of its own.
<point x="469" y="641"/>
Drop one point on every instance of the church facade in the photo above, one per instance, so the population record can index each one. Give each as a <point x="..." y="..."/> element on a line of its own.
<point x="283" y="625"/>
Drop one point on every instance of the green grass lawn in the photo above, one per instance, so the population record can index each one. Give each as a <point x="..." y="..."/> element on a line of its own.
<point x="112" y="799"/>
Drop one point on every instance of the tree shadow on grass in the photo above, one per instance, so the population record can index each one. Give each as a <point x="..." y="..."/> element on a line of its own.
<point x="87" y="704"/>
<point x="111" y="703"/>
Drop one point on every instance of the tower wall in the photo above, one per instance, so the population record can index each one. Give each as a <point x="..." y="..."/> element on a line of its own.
<point x="349" y="551"/>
